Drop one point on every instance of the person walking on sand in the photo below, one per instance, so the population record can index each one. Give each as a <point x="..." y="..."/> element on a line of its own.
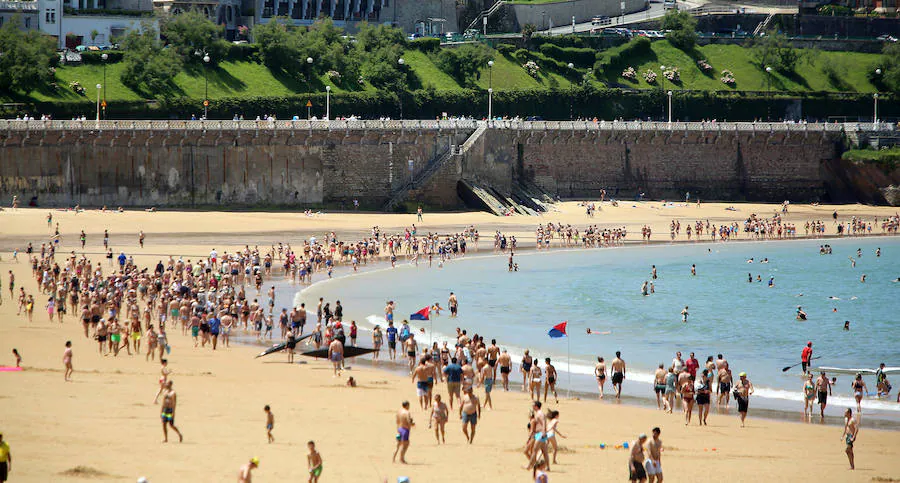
<point x="270" y="423"/>
<point x="164" y="373"/>
<point x="336" y="356"/>
<point x="859" y="387"/>
<point x="539" y="435"/>
<point x="743" y="389"/>
<point x="851" y="431"/>
<point x="314" y="461"/>
<point x="469" y="412"/>
<point x="823" y="390"/>
<point x="618" y="373"/>
<point x="439" y="417"/>
<point x="659" y="387"/>
<point x="404" y="426"/>
<point x="600" y="374"/>
<point x="170" y="399"/>
<point x="636" y="460"/>
<point x="653" y="465"/>
<point x="245" y="472"/>
<point x="67" y="361"/>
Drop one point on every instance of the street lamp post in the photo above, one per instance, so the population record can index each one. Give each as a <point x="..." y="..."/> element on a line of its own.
<point x="490" y="103"/>
<point x="768" y="93"/>
<point x="401" y="63"/>
<point x="327" y="103"/>
<point x="670" y="106"/>
<point x="104" y="58"/>
<point x="99" y="87"/>
<point x="875" y="123"/>
<point x="543" y="19"/>
<point x="490" y="74"/>
<point x="206" y="60"/>
<point x="309" y="61"/>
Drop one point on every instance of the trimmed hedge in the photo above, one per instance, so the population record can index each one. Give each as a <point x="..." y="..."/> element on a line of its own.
<point x="886" y="159"/>
<point x="558" y="40"/>
<point x="426" y="44"/>
<point x="93" y="57"/>
<point x="614" y="58"/>
<point x="574" y="102"/>
<point x="243" y="52"/>
<point x="506" y="50"/>
<point x="578" y="56"/>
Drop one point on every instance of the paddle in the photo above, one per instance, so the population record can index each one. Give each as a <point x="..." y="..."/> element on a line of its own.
<point x="797" y="364"/>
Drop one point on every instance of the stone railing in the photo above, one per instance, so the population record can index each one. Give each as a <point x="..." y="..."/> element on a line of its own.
<point x="92" y="125"/>
<point x="19" y="6"/>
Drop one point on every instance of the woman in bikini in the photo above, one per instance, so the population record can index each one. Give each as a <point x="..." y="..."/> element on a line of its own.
<point x="526" y="369"/>
<point x="439" y="417"/>
<point x="553" y="431"/>
<point x="687" y="398"/>
<point x="859" y="387"/>
<point x="809" y="393"/>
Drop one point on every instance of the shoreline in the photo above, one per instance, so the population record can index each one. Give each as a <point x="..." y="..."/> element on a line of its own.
<point x="645" y="397"/>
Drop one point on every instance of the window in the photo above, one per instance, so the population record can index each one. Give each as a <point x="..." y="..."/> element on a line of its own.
<point x="1" y="21"/>
<point x="27" y="22"/>
<point x="50" y="15"/>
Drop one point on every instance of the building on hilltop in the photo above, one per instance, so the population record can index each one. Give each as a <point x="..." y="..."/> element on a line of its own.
<point x="83" y="22"/>
<point x="27" y="12"/>
<point x="226" y="13"/>
<point x="425" y="18"/>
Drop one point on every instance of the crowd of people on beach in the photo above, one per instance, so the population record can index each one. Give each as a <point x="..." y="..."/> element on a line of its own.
<point x="126" y="308"/>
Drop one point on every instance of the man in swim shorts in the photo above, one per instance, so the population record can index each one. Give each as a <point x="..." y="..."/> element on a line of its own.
<point x="453" y="371"/>
<point x="420" y="375"/>
<point x="168" y="412"/>
<point x="823" y="390"/>
<point x="618" y="373"/>
<point x="488" y="381"/>
<point x="636" y="471"/>
<point x="469" y="412"/>
<point x="743" y="389"/>
<point x="851" y="430"/>
<point x="336" y="355"/>
<point x="653" y="465"/>
<point x="404" y="426"/>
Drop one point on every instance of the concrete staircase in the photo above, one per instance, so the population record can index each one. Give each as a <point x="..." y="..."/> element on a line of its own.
<point x="419" y="179"/>
<point x="763" y="25"/>
<point x="478" y="22"/>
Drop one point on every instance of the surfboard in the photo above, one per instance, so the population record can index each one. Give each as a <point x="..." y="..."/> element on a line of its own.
<point x="280" y="347"/>
<point x="9" y="369"/>
<point x="863" y="371"/>
<point x="348" y="352"/>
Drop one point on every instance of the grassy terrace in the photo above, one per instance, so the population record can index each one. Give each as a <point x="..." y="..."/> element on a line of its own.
<point x="248" y="79"/>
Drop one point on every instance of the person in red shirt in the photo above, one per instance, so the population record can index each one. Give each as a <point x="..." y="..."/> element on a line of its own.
<point x="805" y="356"/>
<point x="692" y="364"/>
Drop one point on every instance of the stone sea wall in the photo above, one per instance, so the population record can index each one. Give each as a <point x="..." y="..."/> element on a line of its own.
<point x="303" y="164"/>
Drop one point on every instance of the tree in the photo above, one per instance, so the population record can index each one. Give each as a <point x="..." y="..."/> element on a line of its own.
<point x="682" y="28"/>
<point x="25" y="58"/>
<point x="774" y="50"/>
<point x="149" y="67"/>
<point x="278" y="45"/>
<point x="379" y="49"/>
<point x="191" y="33"/>
<point x="464" y="63"/>
<point x="890" y="68"/>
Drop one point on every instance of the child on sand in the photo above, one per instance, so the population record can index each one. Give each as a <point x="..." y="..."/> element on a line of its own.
<point x="270" y="423"/>
<point x="18" y="357"/>
<point x="314" y="460"/>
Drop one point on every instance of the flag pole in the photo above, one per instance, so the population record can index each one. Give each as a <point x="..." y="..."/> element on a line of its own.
<point x="569" y="365"/>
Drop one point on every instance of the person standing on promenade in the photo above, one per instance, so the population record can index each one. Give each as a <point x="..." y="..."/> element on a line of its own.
<point x="653" y="463"/>
<point x="170" y="399"/>
<point x="805" y="356"/>
<point x="742" y="391"/>
<point x="851" y="430"/>
<point x="67" y="361"/>
<point x="245" y="473"/>
<point x="600" y="374"/>
<point x="618" y="373"/>
<point x="5" y="460"/>
<point x="404" y="426"/>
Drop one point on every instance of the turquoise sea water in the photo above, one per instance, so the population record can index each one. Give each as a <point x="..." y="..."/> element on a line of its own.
<point x="753" y="325"/>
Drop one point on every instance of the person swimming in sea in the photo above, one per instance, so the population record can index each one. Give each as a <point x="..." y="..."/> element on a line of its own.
<point x="801" y="315"/>
<point x="771" y="281"/>
<point x="847" y="325"/>
<point x="644" y="289"/>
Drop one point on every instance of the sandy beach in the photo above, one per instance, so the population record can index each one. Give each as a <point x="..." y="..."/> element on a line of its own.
<point x="104" y="426"/>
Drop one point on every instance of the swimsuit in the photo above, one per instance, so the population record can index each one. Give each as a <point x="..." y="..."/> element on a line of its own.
<point x="402" y="434"/>
<point x="470" y="418"/>
<point x="168" y="415"/>
<point x="317" y="471"/>
<point x="488" y="385"/>
<point x="618" y="377"/>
